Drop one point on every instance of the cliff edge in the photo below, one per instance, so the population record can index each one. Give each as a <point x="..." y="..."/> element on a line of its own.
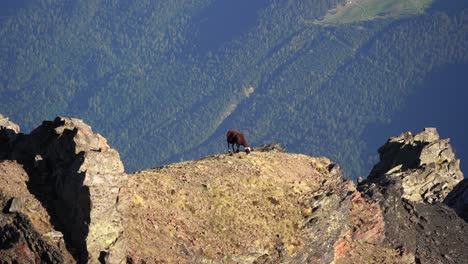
<point x="66" y="199"/>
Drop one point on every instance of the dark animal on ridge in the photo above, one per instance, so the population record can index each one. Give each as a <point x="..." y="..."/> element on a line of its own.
<point x="236" y="137"/>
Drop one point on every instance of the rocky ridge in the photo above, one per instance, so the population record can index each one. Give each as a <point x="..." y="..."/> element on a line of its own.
<point x="66" y="198"/>
<point x="410" y="183"/>
<point x="76" y="178"/>
<point x="424" y="165"/>
<point x="273" y="207"/>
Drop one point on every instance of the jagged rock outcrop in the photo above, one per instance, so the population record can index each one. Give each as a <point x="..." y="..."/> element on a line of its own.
<point x="8" y="133"/>
<point x="65" y="198"/>
<point x="86" y="176"/>
<point x="24" y="222"/>
<point x="8" y="129"/>
<point x="413" y="177"/>
<point x="270" y="147"/>
<point x="423" y="164"/>
<point x="77" y="177"/>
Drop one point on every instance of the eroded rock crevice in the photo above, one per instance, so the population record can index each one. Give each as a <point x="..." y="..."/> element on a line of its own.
<point x="76" y="176"/>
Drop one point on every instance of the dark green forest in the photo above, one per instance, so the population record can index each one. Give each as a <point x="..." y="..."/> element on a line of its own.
<point x="164" y="80"/>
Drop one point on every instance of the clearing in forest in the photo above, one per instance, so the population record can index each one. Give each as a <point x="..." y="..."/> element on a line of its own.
<point x="362" y="10"/>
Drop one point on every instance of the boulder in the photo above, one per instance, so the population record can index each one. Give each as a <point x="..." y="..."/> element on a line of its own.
<point x="15" y="205"/>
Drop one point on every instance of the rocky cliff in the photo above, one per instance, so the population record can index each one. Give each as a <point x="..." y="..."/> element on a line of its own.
<point x="410" y="183"/>
<point x="67" y="181"/>
<point x="65" y="198"/>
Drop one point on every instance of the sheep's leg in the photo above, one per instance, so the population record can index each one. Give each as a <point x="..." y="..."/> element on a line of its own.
<point x="229" y="150"/>
<point x="237" y="150"/>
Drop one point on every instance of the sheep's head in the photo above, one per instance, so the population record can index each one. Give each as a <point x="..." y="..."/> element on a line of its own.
<point x="247" y="150"/>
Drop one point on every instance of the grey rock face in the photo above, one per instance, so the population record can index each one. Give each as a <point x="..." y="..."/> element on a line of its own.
<point x="424" y="164"/>
<point x="414" y="175"/>
<point x="330" y="219"/>
<point x="86" y="174"/>
<point x="458" y="199"/>
<point x="77" y="176"/>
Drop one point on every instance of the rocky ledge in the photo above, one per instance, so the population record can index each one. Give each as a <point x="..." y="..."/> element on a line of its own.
<point x="274" y="207"/>
<point x="66" y="198"/>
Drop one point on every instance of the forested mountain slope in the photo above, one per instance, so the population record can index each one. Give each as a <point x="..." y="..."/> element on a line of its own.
<point x="164" y="85"/>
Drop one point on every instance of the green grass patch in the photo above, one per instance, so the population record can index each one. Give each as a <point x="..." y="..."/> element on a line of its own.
<point x="363" y="10"/>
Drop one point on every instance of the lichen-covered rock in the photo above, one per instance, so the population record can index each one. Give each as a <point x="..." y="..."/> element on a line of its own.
<point x="78" y="176"/>
<point x="87" y="176"/>
<point x="424" y="164"/>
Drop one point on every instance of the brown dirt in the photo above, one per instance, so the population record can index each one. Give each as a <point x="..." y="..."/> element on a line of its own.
<point x="230" y="208"/>
<point x="14" y="183"/>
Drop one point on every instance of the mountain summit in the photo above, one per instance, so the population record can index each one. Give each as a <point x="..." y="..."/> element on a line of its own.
<point x="65" y="198"/>
<point x="321" y="75"/>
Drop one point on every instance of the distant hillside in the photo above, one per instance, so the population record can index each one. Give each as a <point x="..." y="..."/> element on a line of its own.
<point x="155" y="79"/>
